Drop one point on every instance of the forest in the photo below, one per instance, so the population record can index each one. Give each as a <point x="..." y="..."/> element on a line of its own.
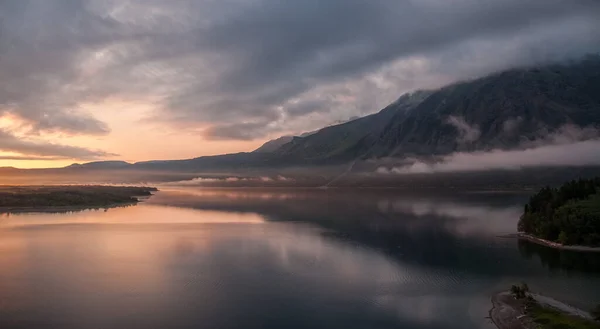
<point x="569" y="214"/>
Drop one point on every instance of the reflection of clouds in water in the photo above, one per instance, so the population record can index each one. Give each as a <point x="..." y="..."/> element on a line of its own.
<point x="199" y="181"/>
<point x="312" y="261"/>
<point x="434" y="309"/>
<point x="473" y="219"/>
<point x="197" y="272"/>
<point x="13" y="265"/>
<point x="181" y="193"/>
<point x="194" y="181"/>
<point x="140" y="214"/>
<point x="462" y="218"/>
<point x="300" y="253"/>
<point x="426" y="309"/>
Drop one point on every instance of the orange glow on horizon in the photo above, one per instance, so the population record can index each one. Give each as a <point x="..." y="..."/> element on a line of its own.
<point x="133" y="136"/>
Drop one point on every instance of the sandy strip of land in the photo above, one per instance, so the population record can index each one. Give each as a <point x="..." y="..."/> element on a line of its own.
<point x="556" y="245"/>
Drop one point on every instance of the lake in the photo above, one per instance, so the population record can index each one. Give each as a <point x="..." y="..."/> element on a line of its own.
<point x="251" y="258"/>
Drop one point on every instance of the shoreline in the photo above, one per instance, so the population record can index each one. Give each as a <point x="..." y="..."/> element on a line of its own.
<point x="71" y="198"/>
<point x="555" y="245"/>
<point x="62" y="209"/>
<point x="506" y="313"/>
<point x="561" y="306"/>
<point x="509" y="313"/>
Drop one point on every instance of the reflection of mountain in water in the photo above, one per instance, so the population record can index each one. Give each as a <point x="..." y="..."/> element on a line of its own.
<point x="455" y="231"/>
<point x="555" y="259"/>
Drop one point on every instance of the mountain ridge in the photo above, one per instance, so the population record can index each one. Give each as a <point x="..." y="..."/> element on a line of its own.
<point x="507" y="110"/>
<point x="500" y="111"/>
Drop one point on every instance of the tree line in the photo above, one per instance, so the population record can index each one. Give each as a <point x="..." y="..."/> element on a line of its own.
<point x="569" y="214"/>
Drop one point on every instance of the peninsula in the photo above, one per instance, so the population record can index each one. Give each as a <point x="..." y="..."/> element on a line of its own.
<point x="519" y="308"/>
<point x="566" y="217"/>
<point x="66" y="197"/>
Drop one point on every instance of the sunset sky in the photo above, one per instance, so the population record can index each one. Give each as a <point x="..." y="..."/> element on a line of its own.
<point x="86" y="80"/>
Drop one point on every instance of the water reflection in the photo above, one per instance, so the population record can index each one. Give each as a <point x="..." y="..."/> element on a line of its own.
<point x="248" y="276"/>
<point x="452" y="232"/>
<point x="447" y="230"/>
<point x="148" y="214"/>
<point x="464" y="213"/>
<point x="555" y="259"/>
<point x="273" y="259"/>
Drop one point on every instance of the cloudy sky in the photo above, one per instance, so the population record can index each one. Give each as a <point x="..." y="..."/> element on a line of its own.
<point x="83" y="80"/>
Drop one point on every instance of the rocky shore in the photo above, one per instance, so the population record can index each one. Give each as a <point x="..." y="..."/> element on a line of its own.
<point x="510" y="313"/>
<point x="556" y="245"/>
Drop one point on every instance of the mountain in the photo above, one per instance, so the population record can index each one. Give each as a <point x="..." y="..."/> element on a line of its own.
<point x="274" y="144"/>
<point x="331" y="139"/>
<point x="101" y="165"/>
<point x="340" y="141"/>
<point x="502" y="111"/>
<point x="507" y="110"/>
<point x="229" y="162"/>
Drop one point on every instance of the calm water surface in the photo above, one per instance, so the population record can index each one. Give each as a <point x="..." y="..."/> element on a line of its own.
<point x="193" y="258"/>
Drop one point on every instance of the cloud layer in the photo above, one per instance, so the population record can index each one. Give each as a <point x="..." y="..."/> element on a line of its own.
<point x="583" y="153"/>
<point x="40" y="150"/>
<point x="243" y="70"/>
<point x="467" y="133"/>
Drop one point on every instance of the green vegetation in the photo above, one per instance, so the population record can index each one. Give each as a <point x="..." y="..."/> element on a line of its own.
<point x="550" y="318"/>
<point x="26" y="197"/>
<point x="544" y="317"/>
<point x="569" y="215"/>
<point x="520" y="291"/>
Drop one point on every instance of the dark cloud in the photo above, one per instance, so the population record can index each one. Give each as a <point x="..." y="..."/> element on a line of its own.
<point x="41" y="47"/>
<point x="33" y="149"/>
<point x="240" y="131"/>
<point x="29" y="158"/>
<point x="278" y="50"/>
<point x="301" y="108"/>
<point x="241" y="66"/>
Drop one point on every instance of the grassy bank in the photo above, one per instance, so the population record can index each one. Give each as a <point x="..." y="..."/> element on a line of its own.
<point x="546" y="317"/>
<point x="521" y="309"/>
<point x="44" y="197"/>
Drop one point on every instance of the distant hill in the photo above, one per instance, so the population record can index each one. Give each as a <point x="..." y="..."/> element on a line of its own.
<point x="101" y="165"/>
<point x="4" y="170"/>
<point x="234" y="161"/>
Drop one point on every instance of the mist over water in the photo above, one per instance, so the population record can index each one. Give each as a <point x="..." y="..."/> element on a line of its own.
<point x="192" y="257"/>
